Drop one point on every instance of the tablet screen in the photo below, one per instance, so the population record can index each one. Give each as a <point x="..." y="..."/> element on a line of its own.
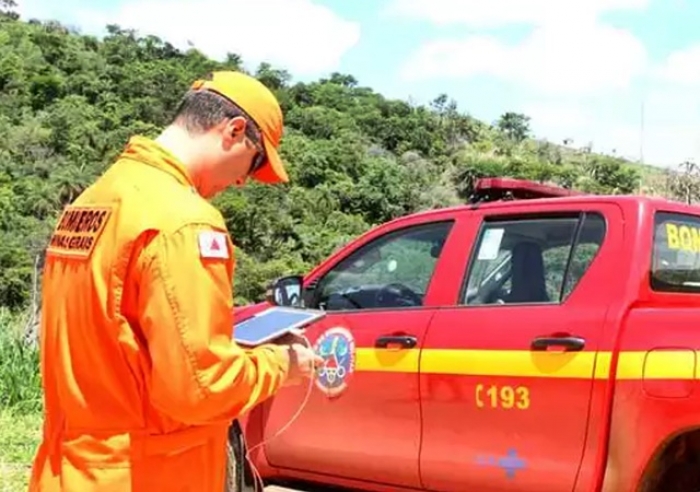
<point x="272" y="323"/>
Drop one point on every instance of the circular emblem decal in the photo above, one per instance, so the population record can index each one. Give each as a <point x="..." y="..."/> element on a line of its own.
<point x="336" y="347"/>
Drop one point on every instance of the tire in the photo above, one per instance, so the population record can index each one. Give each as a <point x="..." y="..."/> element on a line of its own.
<point x="236" y="480"/>
<point x="231" y="484"/>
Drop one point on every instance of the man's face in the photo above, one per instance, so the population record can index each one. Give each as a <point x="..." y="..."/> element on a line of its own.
<point x="237" y="150"/>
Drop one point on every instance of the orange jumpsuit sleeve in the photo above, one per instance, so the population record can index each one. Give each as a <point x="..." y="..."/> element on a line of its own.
<point x="198" y="374"/>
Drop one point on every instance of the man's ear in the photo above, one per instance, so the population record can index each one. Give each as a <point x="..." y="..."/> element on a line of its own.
<point x="234" y="130"/>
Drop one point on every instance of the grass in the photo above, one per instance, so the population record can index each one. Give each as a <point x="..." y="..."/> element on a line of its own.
<point x="20" y="404"/>
<point x="19" y="437"/>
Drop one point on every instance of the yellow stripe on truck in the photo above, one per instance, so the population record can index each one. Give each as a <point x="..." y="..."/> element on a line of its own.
<point x="387" y="360"/>
<point x="508" y="363"/>
<point x="657" y="364"/>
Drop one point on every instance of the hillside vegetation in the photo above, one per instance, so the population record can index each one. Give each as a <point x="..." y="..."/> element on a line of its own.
<point x="69" y="102"/>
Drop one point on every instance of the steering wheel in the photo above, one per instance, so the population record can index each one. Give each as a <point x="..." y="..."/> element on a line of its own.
<point x="398" y="295"/>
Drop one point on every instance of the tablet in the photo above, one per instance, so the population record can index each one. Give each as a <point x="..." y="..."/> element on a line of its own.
<point x="273" y="323"/>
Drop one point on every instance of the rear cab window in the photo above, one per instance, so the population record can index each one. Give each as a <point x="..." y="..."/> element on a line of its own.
<point x="525" y="260"/>
<point x="675" y="262"/>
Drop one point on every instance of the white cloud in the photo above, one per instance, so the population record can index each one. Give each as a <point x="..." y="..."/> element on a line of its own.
<point x="660" y="122"/>
<point x="669" y="135"/>
<point x="587" y="80"/>
<point x="559" y="120"/>
<point x="568" y="50"/>
<point x="497" y="13"/>
<point x="566" y="59"/>
<point x="681" y="67"/>
<point x="299" y="35"/>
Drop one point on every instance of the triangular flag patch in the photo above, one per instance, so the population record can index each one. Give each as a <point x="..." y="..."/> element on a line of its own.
<point x="213" y="244"/>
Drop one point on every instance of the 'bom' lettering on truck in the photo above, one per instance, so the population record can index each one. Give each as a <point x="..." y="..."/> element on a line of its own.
<point x="683" y="237"/>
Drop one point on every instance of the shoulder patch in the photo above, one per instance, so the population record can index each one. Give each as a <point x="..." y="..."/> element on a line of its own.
<point x="78" y="230"/>
<point x="213" y="244"/>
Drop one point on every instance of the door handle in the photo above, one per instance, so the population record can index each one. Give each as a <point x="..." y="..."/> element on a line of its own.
<point x="403" y="341"/>
<point x="568" y="343"/>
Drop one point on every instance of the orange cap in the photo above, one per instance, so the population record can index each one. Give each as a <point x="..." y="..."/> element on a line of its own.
<point x="260" y="104"/>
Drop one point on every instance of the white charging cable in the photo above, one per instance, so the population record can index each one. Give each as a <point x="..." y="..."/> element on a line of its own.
<point x="257" y="478"/>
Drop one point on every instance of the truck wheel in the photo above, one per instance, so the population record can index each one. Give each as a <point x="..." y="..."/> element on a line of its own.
<point x="681" y="477"/>
<point x="676" y="468"/>
<point x="238" y="475"/>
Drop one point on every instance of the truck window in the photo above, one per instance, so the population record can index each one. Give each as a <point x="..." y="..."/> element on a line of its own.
<point x="532" y="260"/>
<point x="675" y="262"/>
<point x="393" y="271"/>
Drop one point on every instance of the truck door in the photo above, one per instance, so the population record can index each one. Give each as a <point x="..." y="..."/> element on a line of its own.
<point x="362" y="420"/>
<point x="507" y="374"/>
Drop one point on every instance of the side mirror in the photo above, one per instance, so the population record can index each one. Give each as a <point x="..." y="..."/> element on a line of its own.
<point x="286" y="291"/>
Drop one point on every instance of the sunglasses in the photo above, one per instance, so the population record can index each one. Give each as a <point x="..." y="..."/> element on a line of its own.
<point x="260" y="157"/>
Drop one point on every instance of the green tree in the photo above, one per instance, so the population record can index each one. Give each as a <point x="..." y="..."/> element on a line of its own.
<point x="516" y="126"/>
<point x="69" y="102"/>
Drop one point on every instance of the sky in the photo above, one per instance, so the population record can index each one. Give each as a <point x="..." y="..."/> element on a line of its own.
<point x="622" y="75"/>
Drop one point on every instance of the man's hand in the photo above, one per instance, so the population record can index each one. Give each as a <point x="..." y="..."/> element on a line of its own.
<point x="294" y="336"/>
<point x="303" y="362"/>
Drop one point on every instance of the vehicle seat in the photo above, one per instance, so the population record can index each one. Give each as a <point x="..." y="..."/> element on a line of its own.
<point x="527" y="275"/>
<point x="338" y="302"/>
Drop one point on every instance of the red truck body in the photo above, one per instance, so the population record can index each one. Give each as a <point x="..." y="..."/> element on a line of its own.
<point x="538" y="345"/>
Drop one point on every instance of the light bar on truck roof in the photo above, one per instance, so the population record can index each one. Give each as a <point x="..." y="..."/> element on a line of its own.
<point x="493" y="189"/>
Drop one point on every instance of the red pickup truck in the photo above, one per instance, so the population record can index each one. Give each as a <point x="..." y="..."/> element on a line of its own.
<point x="534" y="340"/>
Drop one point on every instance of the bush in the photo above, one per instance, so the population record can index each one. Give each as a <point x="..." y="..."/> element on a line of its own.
<point x="20" y="380"/>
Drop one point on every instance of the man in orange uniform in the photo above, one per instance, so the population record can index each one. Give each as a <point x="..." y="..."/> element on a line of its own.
<point x="141" y="378"/>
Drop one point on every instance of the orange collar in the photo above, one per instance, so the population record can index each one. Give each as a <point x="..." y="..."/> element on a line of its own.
<point x="147" y="151"/>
